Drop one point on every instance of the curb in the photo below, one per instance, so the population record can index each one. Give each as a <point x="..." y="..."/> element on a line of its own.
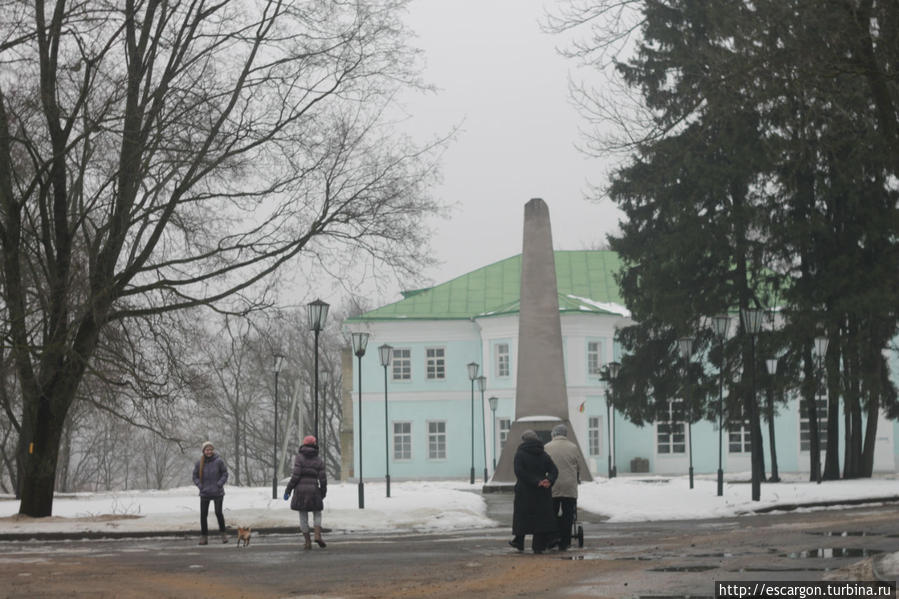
<point x="112" y="534"/>
<point x="789" y="507"/>
<point x="94" y="535"/>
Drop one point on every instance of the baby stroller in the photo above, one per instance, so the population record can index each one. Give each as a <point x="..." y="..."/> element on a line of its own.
<point x="577" y="531"/>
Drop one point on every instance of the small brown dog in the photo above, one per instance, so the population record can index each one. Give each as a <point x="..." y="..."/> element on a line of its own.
<point x="243" y="534"/>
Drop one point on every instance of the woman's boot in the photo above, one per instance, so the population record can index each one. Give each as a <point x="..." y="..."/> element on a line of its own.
<point x="308" y="544"/>
<point x="224" y="537"/>
<point x="318" y="537"/>
<point x="204" y="540"/>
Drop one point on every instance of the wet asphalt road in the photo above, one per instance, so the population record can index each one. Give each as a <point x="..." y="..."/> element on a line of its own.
<point x="656" y="559"/>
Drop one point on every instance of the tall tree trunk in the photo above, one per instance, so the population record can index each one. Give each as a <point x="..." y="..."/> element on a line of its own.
<point x="872" y="412"/>
<point x="39" y="473"/>
<point x="832" y="385"/>
<point x="810" y="396"/>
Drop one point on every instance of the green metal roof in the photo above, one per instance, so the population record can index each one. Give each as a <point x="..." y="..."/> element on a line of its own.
<point x="585" y="284"/>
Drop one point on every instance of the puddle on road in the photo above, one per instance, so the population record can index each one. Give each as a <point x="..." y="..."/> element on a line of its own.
<point x="772" y="569"/>
<point x="684" y="569"/>
<point x="846" y="533"/>
<point x="831" y="552"/>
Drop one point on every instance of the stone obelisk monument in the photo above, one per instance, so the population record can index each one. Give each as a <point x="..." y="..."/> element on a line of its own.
<point x="541" y="397"/>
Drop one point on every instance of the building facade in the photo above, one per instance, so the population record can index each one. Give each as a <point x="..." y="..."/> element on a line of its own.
<point x="434" y="421"/>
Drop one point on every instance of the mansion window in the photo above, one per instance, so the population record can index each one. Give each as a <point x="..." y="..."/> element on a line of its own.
<point x="805" y="441"/>
<point x="504" y="425"/>
<point x="738" y="434"/>
<point x="594" y="358"/>
<point x="436" y="363"/>
<point x="437" y="440"/>
<point x="670" y="435"/>
<point x="402" y="440"/>
<point x="502" y="359"/>
<point x="402" y="364"/>
<point x="594" y="430"/>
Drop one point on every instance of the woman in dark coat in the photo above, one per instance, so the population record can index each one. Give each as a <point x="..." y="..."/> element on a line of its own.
<point x="210" y="476"/>
<point x="310" y="485"/>
<point x="533" y="506"/>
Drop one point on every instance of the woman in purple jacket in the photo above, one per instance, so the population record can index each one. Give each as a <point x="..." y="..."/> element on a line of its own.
<point x="210" y="476"/>
<point x="310" y="485"/>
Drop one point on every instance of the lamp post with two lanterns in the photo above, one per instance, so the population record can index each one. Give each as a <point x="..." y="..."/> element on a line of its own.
<point x="473" y="375"/>
<point x="482" y="385"/>
<point x="720" y="324"/>
<point x="385" y="352"/>
<point x="316" y="314"/>
<point x="752" y="324"/>
<point x="685" y="346"/>
<point x="360" y="341"/>
<point x="614" y="368"/>
<point x="279" y="363"/>
<point x="493" y="403"/>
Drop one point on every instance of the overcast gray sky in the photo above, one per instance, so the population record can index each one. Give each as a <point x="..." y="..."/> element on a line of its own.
<point x="500" y="77"/>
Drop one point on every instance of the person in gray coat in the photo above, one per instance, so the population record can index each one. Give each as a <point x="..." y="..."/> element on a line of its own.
<point x="565" y="455"/>
<point x="210" y="476"/>
<point x="309" y="484"/>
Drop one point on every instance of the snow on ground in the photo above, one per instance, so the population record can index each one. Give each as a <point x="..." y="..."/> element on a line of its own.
<point x="427" y="506"/>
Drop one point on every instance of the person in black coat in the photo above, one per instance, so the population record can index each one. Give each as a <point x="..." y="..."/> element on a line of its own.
<point x="309" y="485"/>
<point x="533" y="505"/>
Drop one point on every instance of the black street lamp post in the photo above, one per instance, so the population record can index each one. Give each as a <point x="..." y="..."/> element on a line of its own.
<point x="316" y="314"/>
<point x="771" y="366"/>
<point x="720" y="324"/>
<point x="493" y="401"/>
<point x="614" y="368"/>
<point x="820" y="351"/>
<point x="473" y="375"/>
<point x="279" y="362"/>
<point x="482" y="385"/>
<point x="360" y="341"/>
<point x="752" y="324"/>
<point x="385" y="352"/>
<point x="685" y="345"/>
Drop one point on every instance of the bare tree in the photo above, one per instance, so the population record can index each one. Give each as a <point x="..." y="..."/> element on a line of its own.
<point x="170" y="155"/>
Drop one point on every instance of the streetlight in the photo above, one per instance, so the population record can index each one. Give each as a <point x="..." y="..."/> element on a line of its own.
<point x="720" y="324"/>
<point x="493" y="401"/>
<point x="771" y="366"/>
<point x="316" y="314"/>
<point x="685" y="345"/>
<point x="482" y="385"/>
<point x="614" y="367"/>
<point x="473" y="375"/>
<point x="360" y="341"/>
<point x="279" y="362"/>
<point x="385" y="352"/>
<point x="752" y="324"/>
<point x="820" y="351"/>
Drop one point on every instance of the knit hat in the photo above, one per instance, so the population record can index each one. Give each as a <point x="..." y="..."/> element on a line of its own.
<point x="309" y="440"/>
<point x="560" y="430"/>
<point x="529" y="435"/>
<point x="207" y="444"/>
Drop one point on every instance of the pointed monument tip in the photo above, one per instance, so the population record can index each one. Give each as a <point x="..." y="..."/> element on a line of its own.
<point x="536" y="206"/>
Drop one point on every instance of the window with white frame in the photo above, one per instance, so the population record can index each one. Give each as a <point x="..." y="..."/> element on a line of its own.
<point x="402" y="440"/>
<point x="594" y="358"/>
<point x="402" y="364"/>
<point x="502" y="359"/>
<point x="739" y="438"/>
<point x="437" y="440"/>
<point x="594" y="435"/>
<point x="504" y="425"/>
<point x="805" y="439"/>
<point x="670" y="435"/>
<point x="435" y="363"/>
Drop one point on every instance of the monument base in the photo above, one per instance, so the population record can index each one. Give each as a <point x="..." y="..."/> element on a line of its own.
<point x="543" y="426"/>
